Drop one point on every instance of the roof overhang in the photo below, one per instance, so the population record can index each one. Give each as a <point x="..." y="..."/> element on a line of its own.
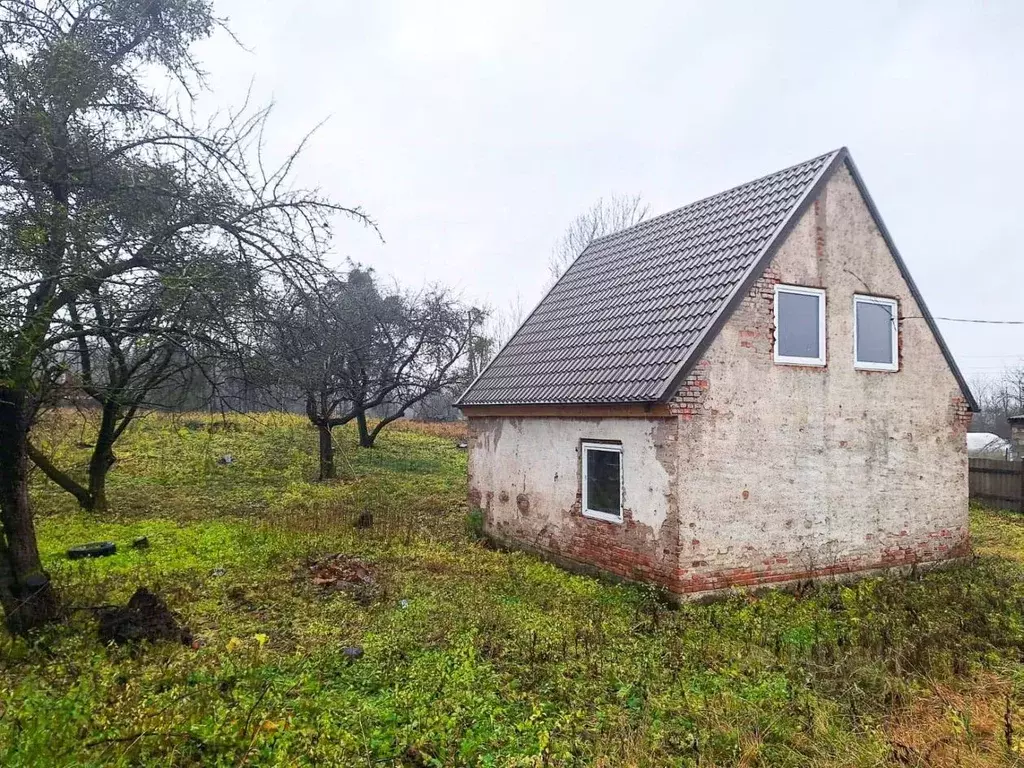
<point x="651" y="410"/>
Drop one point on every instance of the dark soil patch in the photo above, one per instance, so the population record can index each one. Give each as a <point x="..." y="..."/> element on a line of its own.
<point x="145" y="617"/>
<point x="346" y="574"/>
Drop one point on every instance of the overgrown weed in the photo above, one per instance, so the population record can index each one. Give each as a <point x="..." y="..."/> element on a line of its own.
<point x="471" y="656"/>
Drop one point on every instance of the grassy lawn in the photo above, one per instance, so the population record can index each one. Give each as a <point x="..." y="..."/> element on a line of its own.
<point x="470" y="656"/>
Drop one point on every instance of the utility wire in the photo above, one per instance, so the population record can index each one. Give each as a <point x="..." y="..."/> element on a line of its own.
<point x="986" y="322"/>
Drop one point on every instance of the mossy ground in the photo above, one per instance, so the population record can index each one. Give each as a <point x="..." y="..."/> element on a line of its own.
<point x="472" y="657"/>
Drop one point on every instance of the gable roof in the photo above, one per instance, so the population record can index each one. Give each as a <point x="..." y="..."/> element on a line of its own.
<point x="635" y="311"/>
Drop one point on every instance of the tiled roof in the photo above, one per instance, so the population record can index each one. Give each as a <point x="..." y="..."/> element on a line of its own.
<point x="623" y="317"/>
<point x="638" y="307"/>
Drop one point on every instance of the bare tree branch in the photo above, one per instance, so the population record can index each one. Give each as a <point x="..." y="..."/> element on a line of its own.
<point x="603" y="218"/>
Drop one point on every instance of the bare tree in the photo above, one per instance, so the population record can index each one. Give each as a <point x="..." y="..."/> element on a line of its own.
<point x="603" y="218"/>
<point x="133" y="339"/>
<point x="999" y="399"/>
<point x="425" y="354"/>
<point x="504" y="322"/>
<point x="348" y="349"/>
<point x="480" y="347"/>
<point x="104" y="182"/>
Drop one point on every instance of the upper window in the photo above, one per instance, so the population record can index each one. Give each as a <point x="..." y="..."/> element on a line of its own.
<point x="875" y="334"/>
<point x="602" y="481"/>
<point x="799" y="325"/>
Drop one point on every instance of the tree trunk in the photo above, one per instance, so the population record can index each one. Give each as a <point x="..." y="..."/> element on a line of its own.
<point x="26" y="593"/>
<point x="93" y="498"/>
<point x="60" y="477"/>
<point x="366" y="438"/>
<point x="102" y="458"/>
<point x="371" y="438"/>
<point x="98" y="468"/>
<point x="326" y="452"/>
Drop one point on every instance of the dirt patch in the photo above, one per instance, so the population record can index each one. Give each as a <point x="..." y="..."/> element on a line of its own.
<point x="145" y="617"/>
<point x="343" y="573"/>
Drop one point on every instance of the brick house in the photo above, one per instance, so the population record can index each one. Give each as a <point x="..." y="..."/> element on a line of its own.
<point x="748" y="390"/>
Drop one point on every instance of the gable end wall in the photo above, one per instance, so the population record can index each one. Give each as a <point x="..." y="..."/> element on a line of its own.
<point x="787" y="472"/>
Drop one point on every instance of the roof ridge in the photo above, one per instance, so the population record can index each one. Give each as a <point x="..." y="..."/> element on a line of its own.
<point x="560" y="352"/>
<point x="666" y="214"/>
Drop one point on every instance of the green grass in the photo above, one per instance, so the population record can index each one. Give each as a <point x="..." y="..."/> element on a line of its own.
<point x="472" y="657"/>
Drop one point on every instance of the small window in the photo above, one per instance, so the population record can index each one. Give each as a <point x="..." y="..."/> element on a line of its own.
<point x="799" y="325"/>
<point x="602" y="481"/>
<point x="875" y="334"/>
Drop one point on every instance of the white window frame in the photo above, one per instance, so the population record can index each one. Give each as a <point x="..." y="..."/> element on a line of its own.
<point x="596" y="514"/>
<point x="893" y="304"/>
<point x="810" y="361"/>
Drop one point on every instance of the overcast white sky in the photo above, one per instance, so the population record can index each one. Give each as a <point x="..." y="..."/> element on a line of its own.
<point x="473" y="132"/>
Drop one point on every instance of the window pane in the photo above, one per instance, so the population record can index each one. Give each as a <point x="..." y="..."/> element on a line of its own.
<point x="603" y="481"/>
<point x="874" y="333"/>
<point x="798" y="325"/>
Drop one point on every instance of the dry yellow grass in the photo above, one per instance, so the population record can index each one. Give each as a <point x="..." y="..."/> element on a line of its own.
<point x="450" y="430"/>
<point x="970" y="723"/>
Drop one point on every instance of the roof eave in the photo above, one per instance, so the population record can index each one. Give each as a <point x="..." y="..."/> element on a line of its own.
<point x="573" y="403"/>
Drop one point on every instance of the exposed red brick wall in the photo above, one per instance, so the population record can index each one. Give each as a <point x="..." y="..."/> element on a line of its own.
<point x="629" y="549"/>
<point x="755" y="315"/>
<point x="625" y="551"/>
<point x="904" y="549"/>
<point x="688" y="401"/>
<point x="960" y="413"/>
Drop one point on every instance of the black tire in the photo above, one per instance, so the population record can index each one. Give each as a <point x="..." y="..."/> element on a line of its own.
<point x="96" y="549"/>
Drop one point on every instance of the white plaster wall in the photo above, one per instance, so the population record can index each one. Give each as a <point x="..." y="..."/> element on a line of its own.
<point x="540" y="457"/>
<point x="790" y="467"/>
